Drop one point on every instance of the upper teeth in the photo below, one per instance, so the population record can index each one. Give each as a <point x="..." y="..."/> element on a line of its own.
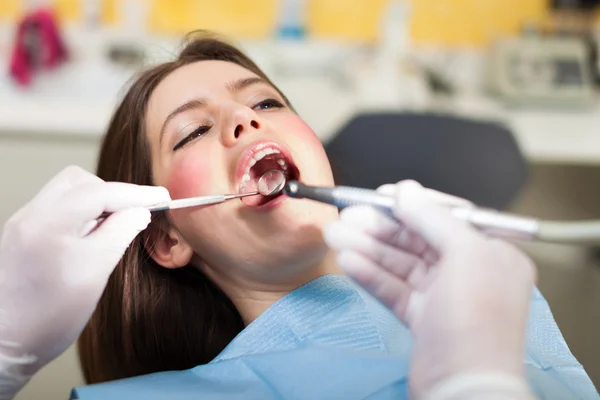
<point x="259" y="156"/>
<point x="262" y="154"/>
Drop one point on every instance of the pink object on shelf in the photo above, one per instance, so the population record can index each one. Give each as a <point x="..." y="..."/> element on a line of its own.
<point x="38" y="45"/>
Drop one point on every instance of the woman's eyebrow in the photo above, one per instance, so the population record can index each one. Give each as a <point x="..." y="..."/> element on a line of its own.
<point x="243" y="83"/>
<point x="188" y="105"/>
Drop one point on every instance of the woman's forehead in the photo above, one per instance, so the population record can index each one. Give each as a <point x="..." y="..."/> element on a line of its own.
<point x="198" y="77"/>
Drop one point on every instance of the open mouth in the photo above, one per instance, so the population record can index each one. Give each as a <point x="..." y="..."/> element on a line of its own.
<point x="266" y="159"/>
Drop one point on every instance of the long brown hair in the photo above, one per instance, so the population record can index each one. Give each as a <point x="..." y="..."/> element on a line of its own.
<point x="150" y="318"/>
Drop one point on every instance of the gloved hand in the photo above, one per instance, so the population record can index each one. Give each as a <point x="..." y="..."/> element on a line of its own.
<point x="464" y="296"/>
<point x="52" y="274"/>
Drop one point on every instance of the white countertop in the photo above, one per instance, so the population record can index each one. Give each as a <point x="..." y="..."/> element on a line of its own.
<point x="79" y="98"/>
<point x="558" y="137"/>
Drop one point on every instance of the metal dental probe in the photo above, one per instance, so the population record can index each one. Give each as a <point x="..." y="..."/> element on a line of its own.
<point x="269" y="184"/>
<point x="491" y="222"/>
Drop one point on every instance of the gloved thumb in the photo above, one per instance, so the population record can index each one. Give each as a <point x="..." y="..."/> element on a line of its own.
<point x="116" y="233"/>
<point x="429" y="218"/>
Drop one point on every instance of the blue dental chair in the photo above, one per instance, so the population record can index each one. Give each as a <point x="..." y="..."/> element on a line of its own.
<point x="479" y="161"/>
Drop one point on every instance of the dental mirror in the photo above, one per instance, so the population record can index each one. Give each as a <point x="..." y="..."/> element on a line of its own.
<point x="271" y="182"/>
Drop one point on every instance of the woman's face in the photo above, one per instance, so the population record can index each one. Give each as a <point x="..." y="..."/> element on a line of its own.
<point x="214" y="127"/>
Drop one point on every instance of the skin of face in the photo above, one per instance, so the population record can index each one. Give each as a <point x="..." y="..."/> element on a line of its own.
<point x="233" y="241"/>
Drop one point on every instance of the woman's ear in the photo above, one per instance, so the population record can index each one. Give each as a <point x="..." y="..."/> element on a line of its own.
<point x="166" y="246"/>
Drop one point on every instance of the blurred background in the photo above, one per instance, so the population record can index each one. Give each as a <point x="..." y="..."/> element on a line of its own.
<point x="494" y="100"/>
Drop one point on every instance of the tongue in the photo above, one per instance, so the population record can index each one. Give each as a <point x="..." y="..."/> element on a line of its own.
<point x="264" y="165"/>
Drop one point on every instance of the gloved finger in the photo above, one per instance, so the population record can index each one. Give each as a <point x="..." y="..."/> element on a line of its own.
<point x="112" y="238"/>
<point x="434" y="195"/>
<point x="387" y="189"/>
<point x="388" y="230"/>
<point x="62" y="182"/>
<point x="341" y="236"/>
<point x="70" y="177"/>
<point x="87" y="202"/>
<point x="392" y="291"/>
<point x="433" y="221"/>
<point x="446" y="199"/>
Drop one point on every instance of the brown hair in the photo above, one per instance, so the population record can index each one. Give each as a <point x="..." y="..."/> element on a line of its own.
<point x="151" y="318"/>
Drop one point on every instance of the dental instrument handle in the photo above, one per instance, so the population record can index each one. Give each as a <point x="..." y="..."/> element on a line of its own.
<point x="190" y="202"/>
<point x="269" y="184"/>
<point x="571" y="232"/>
<point x="507" y="226"/>
<point x="198" y="201"/>
<point x="340" y="196"/>
<point x="500" y="225"/>
<point x="490" y="222"/>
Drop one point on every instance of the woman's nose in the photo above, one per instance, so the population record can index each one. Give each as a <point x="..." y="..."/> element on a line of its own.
<point x="243" y="120"/>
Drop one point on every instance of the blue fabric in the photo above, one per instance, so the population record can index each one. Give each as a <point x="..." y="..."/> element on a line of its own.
<point x="331" y="340"/>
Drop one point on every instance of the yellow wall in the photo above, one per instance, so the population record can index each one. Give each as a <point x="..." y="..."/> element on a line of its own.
<point x="231" y="17"/>
<point x="9" y="9"/>
<point x="335" y="19"/>
<point x="447" y="22"/>
<point x="68" y="10"/>
<point x="450" y="22"/>
<point x="472" y="22"/>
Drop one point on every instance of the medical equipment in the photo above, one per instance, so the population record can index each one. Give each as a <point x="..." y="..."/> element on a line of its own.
<point x="269" y="184"/>
<point x="491" y="222"/>
<point x="542" y="71"/>
<point x="198" y="201"/>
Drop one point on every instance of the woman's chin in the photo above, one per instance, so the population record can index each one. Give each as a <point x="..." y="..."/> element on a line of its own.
<point x="300" y="214"/>
<point x="298" y="253"/>
<point x="284" y="212"/>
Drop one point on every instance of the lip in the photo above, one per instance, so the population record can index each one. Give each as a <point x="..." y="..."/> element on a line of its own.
<point x="271" y="204"/>
<point x="254" y="148"/>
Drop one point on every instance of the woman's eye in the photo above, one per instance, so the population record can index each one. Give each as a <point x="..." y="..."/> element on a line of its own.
<point x="195" y="134"/>
<point x="267" y="104"/>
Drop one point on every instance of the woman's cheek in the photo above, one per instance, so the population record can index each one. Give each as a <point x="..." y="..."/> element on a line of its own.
<point x="306" y="139"/>
<point x="189" y="177"/>
<point x="310" y="151"/>
<point x="300" y="130"/>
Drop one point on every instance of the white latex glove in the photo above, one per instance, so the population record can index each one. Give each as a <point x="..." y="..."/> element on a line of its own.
<point x="52" y="275"/>
<point x="464" y="296"/>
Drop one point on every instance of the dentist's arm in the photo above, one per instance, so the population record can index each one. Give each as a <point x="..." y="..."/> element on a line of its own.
<point x="464" y="296"/>
<point x="52" y="274"/>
